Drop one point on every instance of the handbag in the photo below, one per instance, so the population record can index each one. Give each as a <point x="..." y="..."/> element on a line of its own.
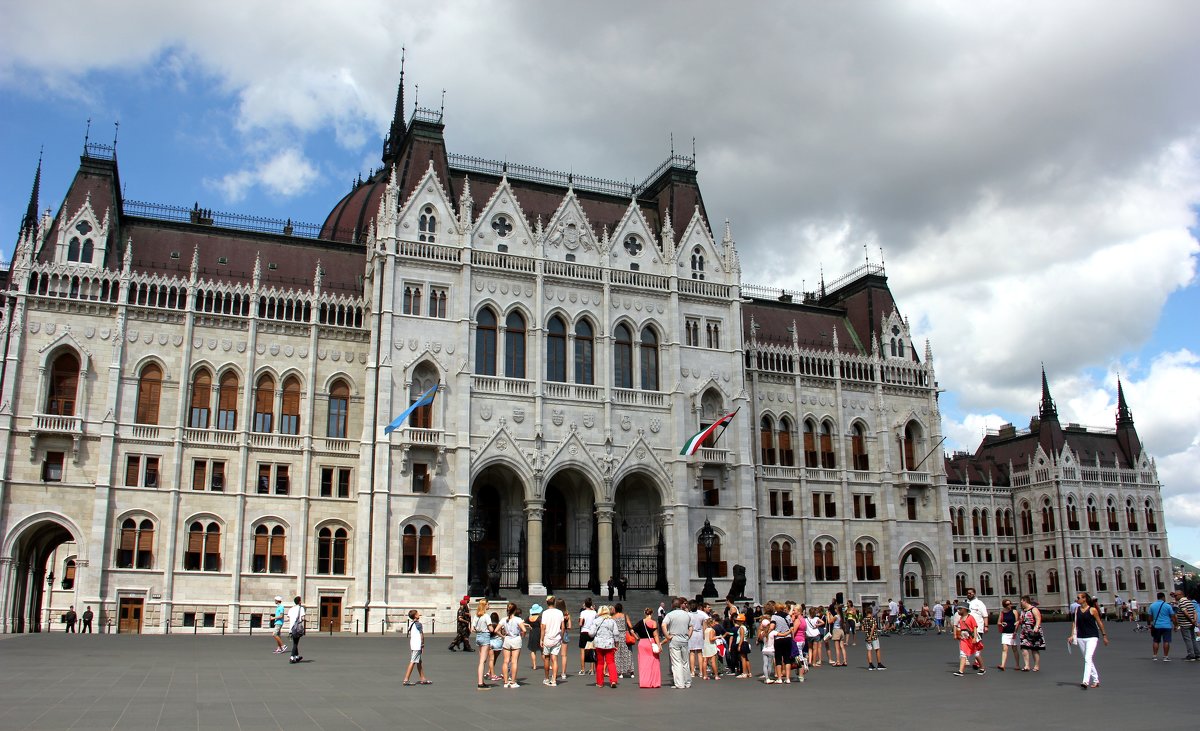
<point x="655" y="648"/>
<point x="298" y="627"/>
<point x="630" y="637"/>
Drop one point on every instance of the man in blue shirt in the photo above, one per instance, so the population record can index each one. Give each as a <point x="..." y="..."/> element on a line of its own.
<point x="1162" y="625"/>
<point x="277" y="622"/>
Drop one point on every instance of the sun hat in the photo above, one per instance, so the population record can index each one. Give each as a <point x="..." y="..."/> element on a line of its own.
<point x="535" y="610"/>
<point x="278" y="598"/>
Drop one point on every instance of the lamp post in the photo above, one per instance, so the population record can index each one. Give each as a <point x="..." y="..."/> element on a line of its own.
<point x="475" y="534"/>
<point x="708" y="537"/>
<point x="49" y="597"/>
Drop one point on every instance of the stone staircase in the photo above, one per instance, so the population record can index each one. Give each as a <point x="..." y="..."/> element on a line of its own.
<point x="636" y="600"/>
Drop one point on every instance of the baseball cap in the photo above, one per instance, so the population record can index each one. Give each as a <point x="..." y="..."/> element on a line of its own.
<point x="278" y="598"/>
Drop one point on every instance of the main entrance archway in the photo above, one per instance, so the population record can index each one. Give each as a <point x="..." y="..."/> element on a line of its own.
<point x="498" y="499"/>
<point x="639" y="547"/>
<point x="570" y="552"/>
<point x="34" y="545"/>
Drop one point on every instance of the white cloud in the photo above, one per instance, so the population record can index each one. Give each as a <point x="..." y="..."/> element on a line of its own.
<point x="286" y="174"/>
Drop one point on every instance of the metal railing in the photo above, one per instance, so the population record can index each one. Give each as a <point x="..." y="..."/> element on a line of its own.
<point x="221" y="219"/>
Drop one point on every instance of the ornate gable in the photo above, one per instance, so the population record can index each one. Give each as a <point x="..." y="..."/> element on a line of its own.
<point x="896" y="338"/>
<point x="428" y="215"/>
<point x="502" y="223"/>
<point x="572" y="451"/>
<point x="569" y="236"/>
<point x="633" y="243"/>
<point x="641" y="456"/>
<point x="83" y="239"/>
<point x="502" y="447"/>
<point x="698" y="255"/>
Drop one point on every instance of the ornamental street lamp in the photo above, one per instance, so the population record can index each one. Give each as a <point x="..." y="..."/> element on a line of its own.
<point x="475" y="534"/>
<point x="707" y="537"/>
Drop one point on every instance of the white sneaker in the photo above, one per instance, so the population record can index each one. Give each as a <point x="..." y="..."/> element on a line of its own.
<point x="545" y="682"/>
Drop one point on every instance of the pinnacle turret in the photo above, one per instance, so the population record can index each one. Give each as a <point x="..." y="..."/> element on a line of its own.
<point x="1124" y="415"/>
<point x="1048" y="411"/>
<point x="29" y="223"/>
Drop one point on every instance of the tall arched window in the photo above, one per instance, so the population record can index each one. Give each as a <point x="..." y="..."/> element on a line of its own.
<point x="953" y="521"/>
<point x="825" y="566"/>
<point x="289" y="410"/>
<point x="585" y="368"/>
<point x="204" y="548"/>
<point x="339" y="410"/>
<point x="1101" y="584"/>
<point x="416" y="550"/>
<point x="514" y="345"/>
<point x="88" y="252"/>
<point x="201" y="399"/>
<point x="974" y="522"/>
<point x="766" y="439"/>
<point x="697" y="263"/>
<point x="810" y="444"/>
<point x="910" y="586"/>
<point x="1052" y="586"/>
<point x="264" y="403"/>
<point x="331" y="551"/>
<point x="783" y="438"/>
<point x="962" y="521"/>
<point x="984" y="520"/>
<point x="1151" y="522"/>
<point x="1031" y="583"/>
<point x="485" y="343"/>
<point x="623" y="357"/>
<point x="1047" y="516"/>
<point x="828" y="461"/>
<point x="1072" y="514"/>
<point x="960" y="584"/>
<point x="556" y="350"/>
<point x="73" y="249"/>
<point x="1158" y="580"/>
<point x="1010" y="584"/>
<point x="1139" y="579"/>
<point x="1111" y="509"/>
<point x="912" y="434"/>
<point x="149" y="393"/>
<point x="649" y="360"/>
<point x="227" y="398"/>
<point x="783" y="563"/>
<point x="985" y="585"/>
<point x="1131" y="515"/>
<point x="1026" y="519"/>
<point x="1120" y="577"/>
<point x="269" y="556"/>
<point x="864" y="561"/>
<point x="137" y="545"/>
<point x="427" y="225"/>
<point x="64" y="385"/>
<point x="1093" y="515"/>
<point x="1080" y="584"/>
<point x="425" y="377"/>
<point x="858" y="447"/>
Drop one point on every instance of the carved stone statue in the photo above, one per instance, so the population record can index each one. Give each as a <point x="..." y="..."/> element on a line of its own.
<point x="737" y="590"/>
<point x="493" y="579"/>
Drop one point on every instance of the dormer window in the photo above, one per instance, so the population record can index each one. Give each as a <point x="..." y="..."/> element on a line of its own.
<point x="697" y="263"/>
<point x="427" y="225"/>
<point x="897" y="342"/>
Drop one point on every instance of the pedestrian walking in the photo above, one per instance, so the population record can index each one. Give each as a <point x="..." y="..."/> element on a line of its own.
<point x="416" y="646"/>
<point x="969" y="645"/>
<point x="1087" y="629"/>
<point x="870" y="628"/>
<point x="295" y="623"/>
<point x="1007" y="623"/>
<point x="1032" y="639"/>
<point x="462" y="624"/>
<point x="277" y="624"/>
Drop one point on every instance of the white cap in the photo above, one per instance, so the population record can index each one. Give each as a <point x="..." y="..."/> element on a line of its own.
<point x="278" y="598"/>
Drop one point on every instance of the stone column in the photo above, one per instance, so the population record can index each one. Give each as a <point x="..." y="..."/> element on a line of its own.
<point x="604" y="528"/>
<point x="533" y="546"/>
<point x="6" y="569"/>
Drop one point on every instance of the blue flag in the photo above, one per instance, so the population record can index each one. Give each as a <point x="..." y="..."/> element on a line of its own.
<point x="425" y="400"/>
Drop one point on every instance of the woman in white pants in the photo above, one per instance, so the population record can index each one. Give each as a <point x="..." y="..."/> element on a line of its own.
<point x="1087" y="629"/>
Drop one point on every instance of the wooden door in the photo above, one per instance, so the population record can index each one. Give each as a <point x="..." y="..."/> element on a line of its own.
<point x="130" y="615"/>
<point x="331" y="614"/>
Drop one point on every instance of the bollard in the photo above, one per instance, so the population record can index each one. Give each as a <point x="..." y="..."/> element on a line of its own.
<point x="383" y="626"/>
<point x="168" y="625"/>
<point x="251" y="629"/>
<point x="356" y="628"/>
<point x="222" y="628"/>
<point x="195" y="626"/>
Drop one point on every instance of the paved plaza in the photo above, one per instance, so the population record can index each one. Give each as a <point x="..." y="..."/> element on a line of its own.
<point x="62" y="681"/>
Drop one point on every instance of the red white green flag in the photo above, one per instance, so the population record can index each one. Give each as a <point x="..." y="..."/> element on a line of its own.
<point x="693" y="443"/>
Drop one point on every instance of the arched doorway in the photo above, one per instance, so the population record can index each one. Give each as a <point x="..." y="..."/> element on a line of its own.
<point x="497" y="499"/>
<point x="918" y="576"/>
<point x="570" y="553"/>
<point x="28" y="576"/>
<point x="639" y="546"/>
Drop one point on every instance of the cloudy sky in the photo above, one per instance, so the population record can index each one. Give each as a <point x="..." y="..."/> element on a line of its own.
<point x="1031" y="172"/>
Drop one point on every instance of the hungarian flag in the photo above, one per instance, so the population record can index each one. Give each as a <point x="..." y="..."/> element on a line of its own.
<point x="693" y="443"/>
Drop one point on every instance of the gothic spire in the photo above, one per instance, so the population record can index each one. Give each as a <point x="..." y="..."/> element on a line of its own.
<point x="1048" y="410"/>
<point x="30" y="221"/>
<point x="1124" y="415"/>
<point x="391" y="145"/>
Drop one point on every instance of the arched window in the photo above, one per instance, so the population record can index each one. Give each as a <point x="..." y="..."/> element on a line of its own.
<point x="1072" y="514"/>
<point x="825" y="566"/>
<point x="264" y="403"/>
<point x="331" y="551"/>
<point x="1000" y="523"/>
<point x="137" y="544"/>
<point x="1010" y="584"/>
<point x="1158" y="580"/>
<point x="289" y="411"/>
<point x="339" y="410"/>
<point x="1151" y="522"/>
<point x="783" y="563"/>
<point x="485" y="343"/>
<point x="858" y="447"/>
<point x="1031" y="583"/>
<point x="623" y="357"/>
<point x="828" y="461"/>
<point x="1052" y="586"/>
<point x="201" y="399"/>
<point x="416" y="551"/>
<point x="1047" y="516"/>
<point x="269" y="556"/>
<point x="649" y="360"/>
<point x="783" y="438"/>
<point x="1120" y="576"/>
<point x="73" y="249"/>
<point x="864" y="561"/>
<point x="88" y="253"/>
<point x="64" y="385"/>
<point x="962" y="521"/>
<point x="810" y="444"/>
<point x="697" y="263"/>
<point x="425" y="377"/>
<point x="203" y="548"/>
<point x="149" y="393"/>
<point x="985" y="585"/>
<point x="227" y="397"/>
<point x="1026" y="519"/>
<point x="1080" y="583"/>
<point x="719" y="568"/>
<point x="1131" y="515"/>
<point x="68" y="580"/>
<point x="766" y="434"/>
<point x="912" y="434"/>
<point x="1111" y="508"/>
<point x="1139" y="579"/>
<point x="1101" y="584"/>
<point x="910" y="586"/>
<point x="953" y="521"/>
<point x="975" y="522"/>
<point x="514" y="345"/>
<point x="427" y="225"/>
<point x="1093" y="515"/>
<point x="556" y="350"/>
<point x="585" y="368"/>
<point x="984" y="520"/>
<point x="960" y="584"/>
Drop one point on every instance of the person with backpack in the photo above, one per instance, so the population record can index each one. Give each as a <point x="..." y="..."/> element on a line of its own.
<point x="416" y="645"/>
<point x="295" y="623"/>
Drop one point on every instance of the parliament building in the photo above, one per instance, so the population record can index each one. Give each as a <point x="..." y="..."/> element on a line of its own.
<point x="193" y="403"/>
